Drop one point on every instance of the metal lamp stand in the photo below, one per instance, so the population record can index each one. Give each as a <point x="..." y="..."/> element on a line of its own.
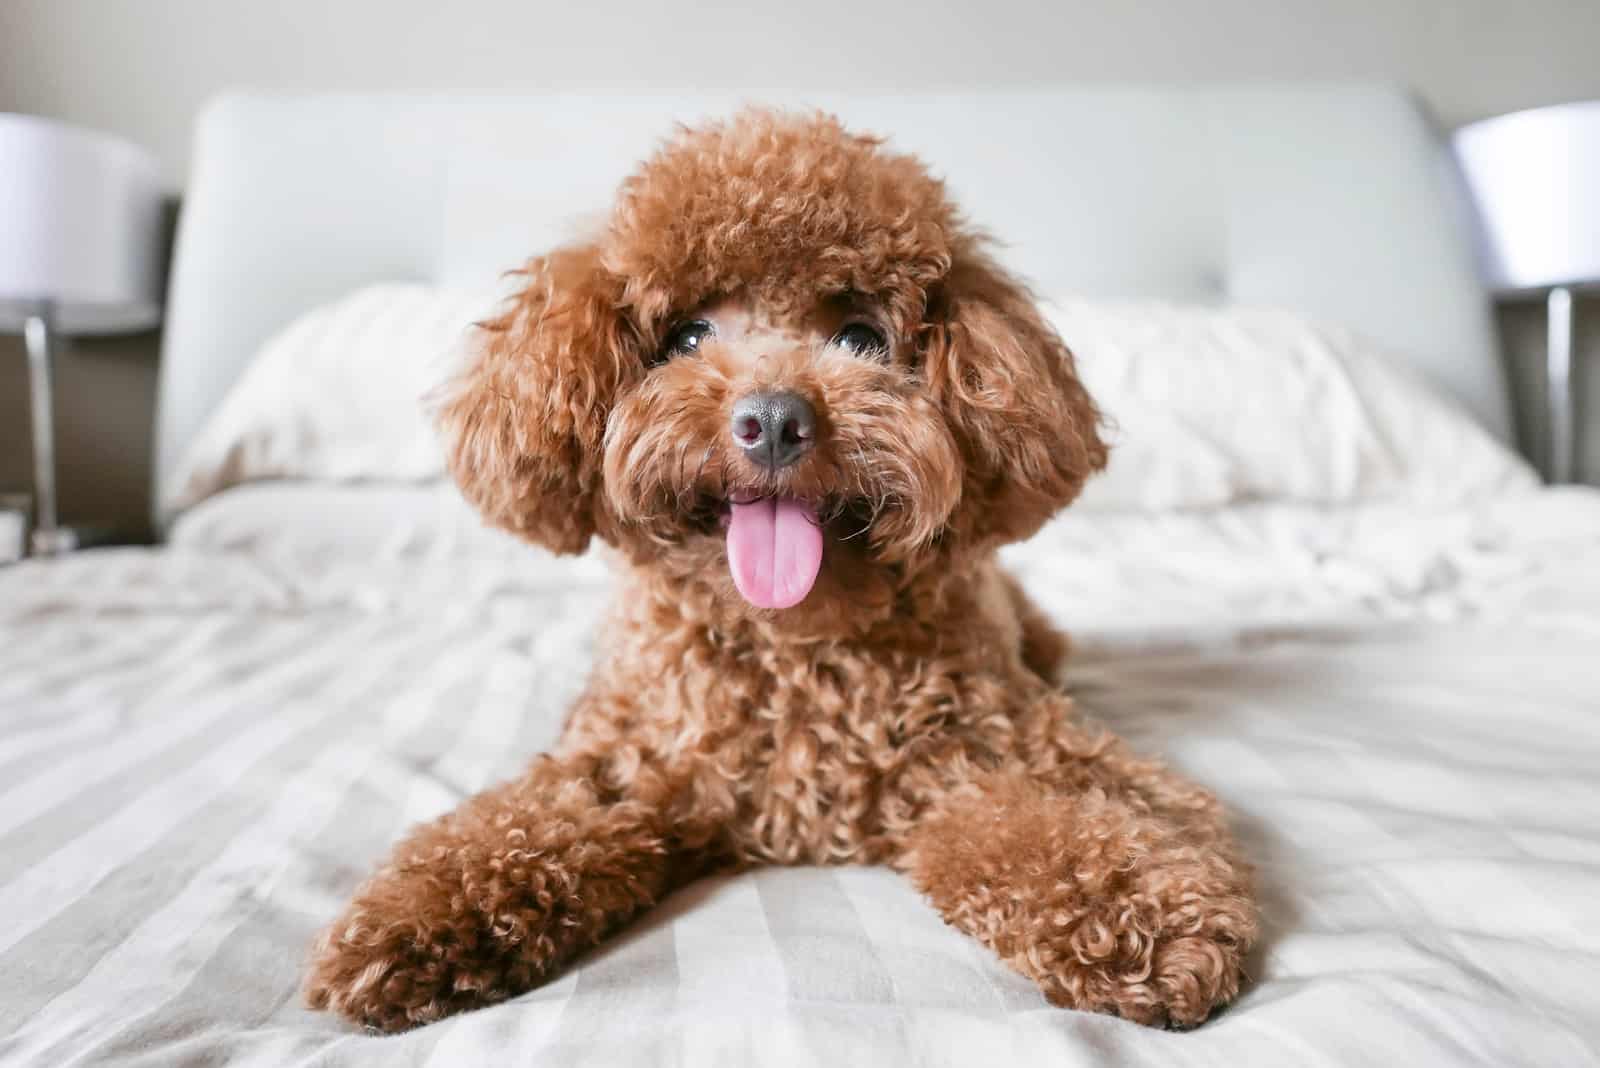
<point x="1558" y="382"/>
<point x="38" y="331"/>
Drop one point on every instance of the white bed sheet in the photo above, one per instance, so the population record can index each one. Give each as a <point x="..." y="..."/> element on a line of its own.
<point x="203" y="748"/>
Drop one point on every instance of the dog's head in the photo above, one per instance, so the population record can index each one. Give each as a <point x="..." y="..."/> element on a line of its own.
<point x="787" y="368"/>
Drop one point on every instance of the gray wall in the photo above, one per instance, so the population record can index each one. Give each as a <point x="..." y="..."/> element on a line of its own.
<point x="142" y="68"/>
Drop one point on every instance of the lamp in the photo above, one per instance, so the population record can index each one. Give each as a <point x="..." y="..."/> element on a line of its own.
<point x="80" y="252"/>
<point x="1536" y="178"/>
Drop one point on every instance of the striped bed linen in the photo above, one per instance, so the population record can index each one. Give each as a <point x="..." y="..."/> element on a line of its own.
<point x="204" y="748"/>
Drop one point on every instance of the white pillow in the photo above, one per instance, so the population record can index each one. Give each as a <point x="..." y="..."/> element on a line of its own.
<point x="1208" y="406"/>
<point x="1213" y="406"/>
<point x="336" y="395"/>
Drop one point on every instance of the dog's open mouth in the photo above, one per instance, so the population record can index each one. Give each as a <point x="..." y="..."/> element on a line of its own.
<point x="774" y="549"/>
<point x="775" y="542"/>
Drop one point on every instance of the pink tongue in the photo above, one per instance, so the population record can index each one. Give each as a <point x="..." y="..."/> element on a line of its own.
<point x="774" y="550"/>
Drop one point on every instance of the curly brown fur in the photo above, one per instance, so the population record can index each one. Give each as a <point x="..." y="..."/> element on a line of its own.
<point x="903" y="712"/>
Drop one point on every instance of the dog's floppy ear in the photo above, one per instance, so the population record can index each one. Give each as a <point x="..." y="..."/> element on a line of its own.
<point x="524" y="424"/>
<point x="1029" y="433"/>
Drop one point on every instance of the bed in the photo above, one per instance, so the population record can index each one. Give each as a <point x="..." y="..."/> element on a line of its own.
<point x="1385" y="667"/>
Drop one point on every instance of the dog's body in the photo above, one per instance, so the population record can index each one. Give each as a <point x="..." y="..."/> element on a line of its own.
<point x="794" y="394"/>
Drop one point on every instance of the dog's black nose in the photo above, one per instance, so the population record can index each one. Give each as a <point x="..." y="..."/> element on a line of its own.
<point x="774" y="428"/>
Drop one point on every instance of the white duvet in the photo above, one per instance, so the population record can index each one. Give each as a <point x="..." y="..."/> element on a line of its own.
<point x="204" y="748"/>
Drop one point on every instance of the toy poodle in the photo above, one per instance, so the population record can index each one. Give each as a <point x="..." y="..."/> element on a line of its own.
<point x="793" y="392"/>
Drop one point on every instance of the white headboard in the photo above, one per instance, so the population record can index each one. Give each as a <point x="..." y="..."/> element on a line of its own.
<point x="1336" y="201"/>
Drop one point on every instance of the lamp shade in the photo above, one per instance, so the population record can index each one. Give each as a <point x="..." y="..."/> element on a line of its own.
<point x="1536" y="178"/>
<point x="80" y="228"/>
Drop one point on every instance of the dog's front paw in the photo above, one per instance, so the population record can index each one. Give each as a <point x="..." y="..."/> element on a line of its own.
<point x="1148" y="928"/>
<point x="1106" y="905"/>
<point x="1194" y="975"/>
<point x="426" y="940"/>
<point x="390" y="976"/>
<point x="1142" y="973"/>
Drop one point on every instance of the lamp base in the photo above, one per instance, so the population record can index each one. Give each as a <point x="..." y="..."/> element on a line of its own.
<point x="53" y="542"/>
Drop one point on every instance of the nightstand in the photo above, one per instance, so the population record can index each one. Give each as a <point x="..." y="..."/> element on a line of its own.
<point x="13" y="527"/>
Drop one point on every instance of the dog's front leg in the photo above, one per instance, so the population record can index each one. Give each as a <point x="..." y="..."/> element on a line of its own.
<point x="487" y="901"/>
<point x="1107" y="879"/>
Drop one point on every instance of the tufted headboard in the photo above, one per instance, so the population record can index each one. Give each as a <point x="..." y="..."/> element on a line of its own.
<point x="1336" y="201"/>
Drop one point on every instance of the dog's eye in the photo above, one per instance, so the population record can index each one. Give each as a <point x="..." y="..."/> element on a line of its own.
<point x="685" y="338"/>
<point x="861" y="339"/>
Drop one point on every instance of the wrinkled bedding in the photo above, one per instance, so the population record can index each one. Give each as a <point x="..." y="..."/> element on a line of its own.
<point x="203" y="748"/>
